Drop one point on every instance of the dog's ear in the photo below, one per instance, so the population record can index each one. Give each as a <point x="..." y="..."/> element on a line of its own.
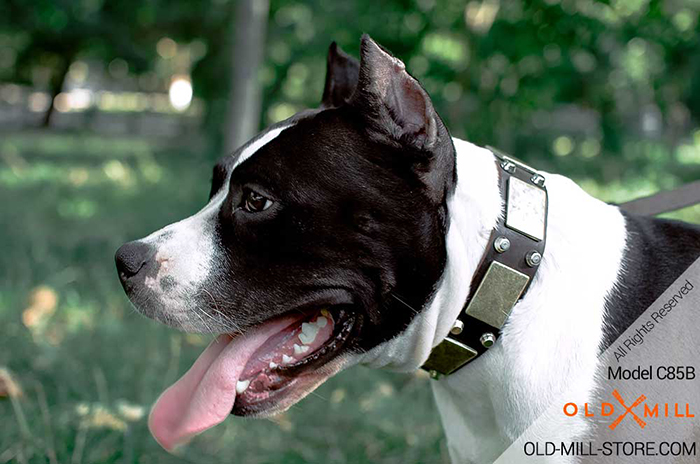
<point x="398" y="113"/>
<point x="342" y="71"/>
<point x="393" y="102"/>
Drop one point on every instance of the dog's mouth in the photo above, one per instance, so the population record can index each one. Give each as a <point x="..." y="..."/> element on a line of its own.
<point x="263" y="371"/>
<point x="300" y="349"/>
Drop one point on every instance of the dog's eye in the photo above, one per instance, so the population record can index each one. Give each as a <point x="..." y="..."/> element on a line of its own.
<point x="253" y="202"/>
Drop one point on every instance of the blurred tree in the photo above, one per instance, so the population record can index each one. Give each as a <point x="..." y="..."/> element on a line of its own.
<point x="608" y="88"/>
<point x="56" y="32"/>
<point x="52" y="34"/>
<point x="249" y="28"/>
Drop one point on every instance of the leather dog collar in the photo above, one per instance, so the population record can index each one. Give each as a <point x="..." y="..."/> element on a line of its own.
<point x="515" y="250"/>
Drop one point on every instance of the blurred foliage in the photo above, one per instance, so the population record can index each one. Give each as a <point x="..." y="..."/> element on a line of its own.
<point x="606" y="91"/>
<point x="602" y="90"/>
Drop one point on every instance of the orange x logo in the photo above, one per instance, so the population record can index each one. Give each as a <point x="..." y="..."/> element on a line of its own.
<point x="628" y="410"/>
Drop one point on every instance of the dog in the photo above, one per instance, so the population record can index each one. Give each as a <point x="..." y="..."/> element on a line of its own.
<point x="319" y="225"/>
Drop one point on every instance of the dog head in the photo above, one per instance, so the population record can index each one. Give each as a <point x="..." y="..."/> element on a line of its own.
<point x="323" y="238"/>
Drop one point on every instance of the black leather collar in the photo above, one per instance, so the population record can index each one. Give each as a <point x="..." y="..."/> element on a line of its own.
<point x="515" y="250"/>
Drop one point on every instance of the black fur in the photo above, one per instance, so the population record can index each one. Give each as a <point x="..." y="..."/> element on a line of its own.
<point x="351" y="223"/>
<point x="657" y="252"/>
<point x="342" y="72"/>
<point x="359" y="214"/>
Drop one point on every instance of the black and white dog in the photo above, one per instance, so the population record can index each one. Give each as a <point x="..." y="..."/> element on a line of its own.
<point x="316" y="223"/>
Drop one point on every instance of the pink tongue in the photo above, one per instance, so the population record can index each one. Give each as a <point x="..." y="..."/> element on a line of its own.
<point x="204" y="396"/>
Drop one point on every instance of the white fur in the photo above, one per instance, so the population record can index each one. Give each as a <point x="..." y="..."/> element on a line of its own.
<point x="551" y="340"/>
<point x="186" y="252"/>
<point x="257" y="144"/>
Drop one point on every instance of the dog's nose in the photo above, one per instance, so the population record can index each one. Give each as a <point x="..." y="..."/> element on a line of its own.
<point x="131" y="258"/>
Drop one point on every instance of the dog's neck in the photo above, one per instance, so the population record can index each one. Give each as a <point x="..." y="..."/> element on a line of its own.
<point x="473" y="211"/>
<point x="482" y="405"/>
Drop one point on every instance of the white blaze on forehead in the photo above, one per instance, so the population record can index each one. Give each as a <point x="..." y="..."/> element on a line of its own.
<point x="251" y="149"/>
<point x="186" y="250"/>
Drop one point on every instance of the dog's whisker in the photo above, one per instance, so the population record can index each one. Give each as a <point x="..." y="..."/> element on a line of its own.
<point x="198" y="312"/>
<point x="395" y="296"/>
<point x="229" y="325"/>
<point x="314" y="393"/>
<point x="429" y="323"/>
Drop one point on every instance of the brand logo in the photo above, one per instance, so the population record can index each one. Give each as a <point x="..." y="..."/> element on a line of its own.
<point x="647" y="411"/>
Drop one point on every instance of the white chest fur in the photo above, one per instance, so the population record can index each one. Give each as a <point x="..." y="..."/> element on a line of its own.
<point x="552" y="336"/>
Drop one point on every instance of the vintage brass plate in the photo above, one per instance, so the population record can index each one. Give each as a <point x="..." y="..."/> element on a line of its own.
<point x="498" y="292"/>
<point x="527" y="208"/>
<point x="449" y="356"/>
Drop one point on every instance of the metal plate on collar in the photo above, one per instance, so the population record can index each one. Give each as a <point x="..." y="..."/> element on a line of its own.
<point x="527" y="208"/>
<point x="449" y="356"/>
<point x="498" y="292"/>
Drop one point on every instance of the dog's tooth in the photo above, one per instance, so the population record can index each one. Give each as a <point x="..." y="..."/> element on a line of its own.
<point x="307" y="328"/>
<point x="286" y="359"/>
<point x="307" y="339"/>
<point x="321" y="321"/>
<point x="308" y="333"/>
<point x="326" y="313"/>
<point x="242" y="385"/>
<point x="272" y="365"/>
<point x="301" y="349"/>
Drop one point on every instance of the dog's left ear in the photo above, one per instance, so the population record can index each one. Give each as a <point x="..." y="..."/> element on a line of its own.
<point x="342" y="71"/>
<point x="399" y="113"/>
<point x="398" y="107"/>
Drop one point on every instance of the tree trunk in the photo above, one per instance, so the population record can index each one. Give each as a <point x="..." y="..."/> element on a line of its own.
<point x="249" y="28"/>
<point x="58" y="78"/>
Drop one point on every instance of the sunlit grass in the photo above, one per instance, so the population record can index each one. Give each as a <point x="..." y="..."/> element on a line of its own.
<point x="89" y="366"/>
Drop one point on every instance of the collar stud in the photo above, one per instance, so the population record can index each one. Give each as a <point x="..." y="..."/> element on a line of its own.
<point x="501" y="244"/>
<point x="457" y="327"/>
<point x="508" y="166"/>
<point x="538" y="180"/>
<point x="487" y="340"/>
<point x="533" y="259"/>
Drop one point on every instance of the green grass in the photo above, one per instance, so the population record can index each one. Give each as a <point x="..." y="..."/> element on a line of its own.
<point x="90" y="367"/>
